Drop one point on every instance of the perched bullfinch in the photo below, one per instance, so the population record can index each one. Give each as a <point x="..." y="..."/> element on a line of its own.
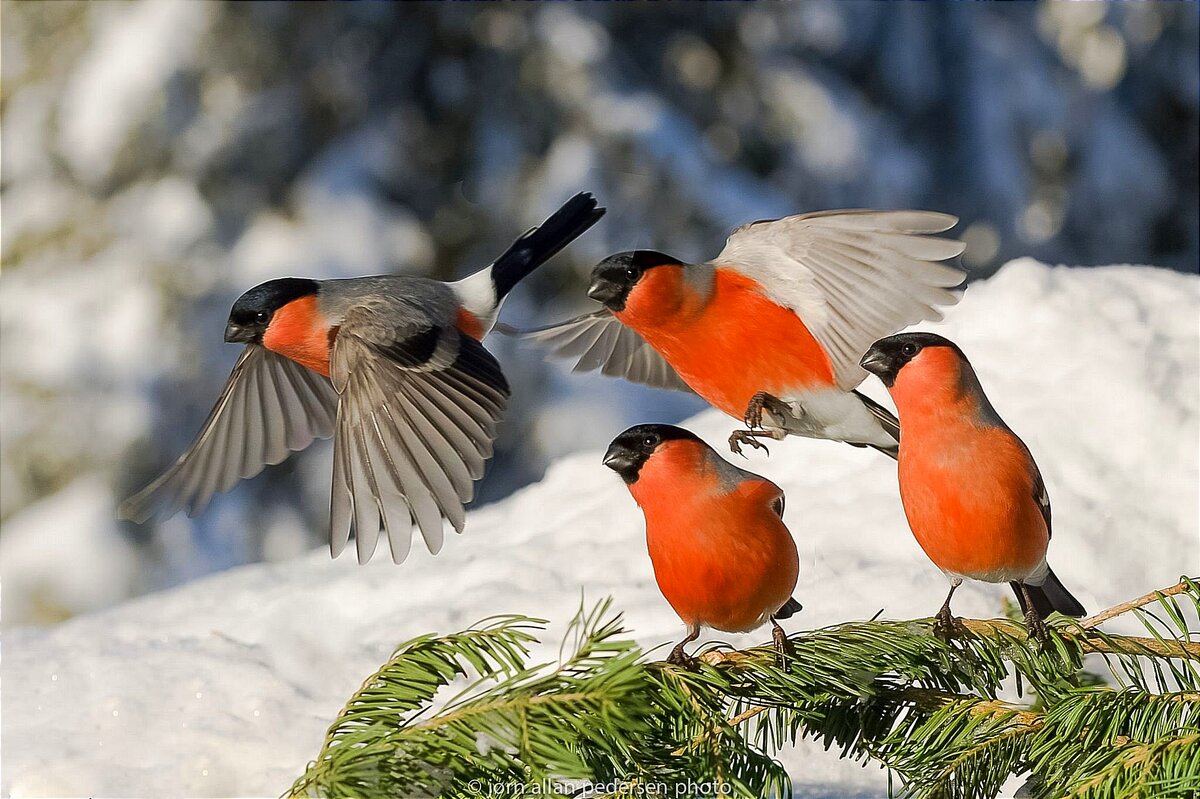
<point x="777" y="321"/>
<point x="392" y="367"/>
<point x="722" y="556"/>
<point x="972" y="493"/>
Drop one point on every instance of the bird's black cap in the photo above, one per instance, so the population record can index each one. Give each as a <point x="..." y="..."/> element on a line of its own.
<point x="615" y="276"/>
<point x="888" y="356"/>
<point x="250" y="315"/>
<point x="630" y="450"/>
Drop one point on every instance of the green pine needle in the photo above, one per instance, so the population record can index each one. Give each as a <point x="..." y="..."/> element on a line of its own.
<point x="604" y="720"/>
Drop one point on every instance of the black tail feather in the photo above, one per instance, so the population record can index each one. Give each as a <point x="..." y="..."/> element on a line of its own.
<point x="789" y="609"/>
<point x="892" y="452"/>
<point x="887" y="420"/>
<point x="544" y="241"/>
<point x="1048" y="597"/>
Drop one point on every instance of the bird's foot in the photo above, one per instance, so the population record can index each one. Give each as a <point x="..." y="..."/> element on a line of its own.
<point x="762" y="401"/>
<point x="1036" y="628"/>
<point x="739" y="437"/>
<point x="783" y="647"/>
<point x="682" y="659"/>
<point x="945" y="625"/>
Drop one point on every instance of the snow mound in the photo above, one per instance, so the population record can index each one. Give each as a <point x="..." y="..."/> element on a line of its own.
<point x="225" y="686"/>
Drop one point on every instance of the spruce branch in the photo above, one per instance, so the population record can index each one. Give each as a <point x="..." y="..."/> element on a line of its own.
<point x="603" y="720"/>
<point x="1185" y="584"/>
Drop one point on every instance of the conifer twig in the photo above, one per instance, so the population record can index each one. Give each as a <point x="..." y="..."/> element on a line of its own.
<point x="1125" y="645"/>
<point x="1125" y="607"/>
<point x="887" y="691"/>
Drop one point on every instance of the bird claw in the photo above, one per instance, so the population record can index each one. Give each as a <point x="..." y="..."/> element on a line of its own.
<point x="762" y="401"/>
<point x="753" y="415"/>
<point x="1037" y="629"/>
<point x="739" y="437"/>
<point x="682" y="659"/>
<point x="783" y="647"/>
<point x="946" y="626"/>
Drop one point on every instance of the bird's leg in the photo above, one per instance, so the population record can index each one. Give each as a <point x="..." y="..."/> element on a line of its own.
<point x="763" y="401"/>
<point x="945" y="625"/>
<point x="753" y="419"/>
<point x="783" y="647"/>
<point x="1034" y="624"/>
<point x="680" y="658"/>
<point x="739" y="437"/>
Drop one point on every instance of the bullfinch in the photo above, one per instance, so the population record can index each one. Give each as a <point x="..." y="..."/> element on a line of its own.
<point x="972" y="493"/>
<point x="722" y="556"/>
<point x="392" y="367"/>
<point x="777" y="322"/>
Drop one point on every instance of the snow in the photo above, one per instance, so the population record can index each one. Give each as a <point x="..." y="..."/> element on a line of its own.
<point x="226" y="685"/>
<point x="63" y="555"/>
<point x="136" y="50"/>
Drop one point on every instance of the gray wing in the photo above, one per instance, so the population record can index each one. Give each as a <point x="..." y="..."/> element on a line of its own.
<point x="852" y="276"/>
<point x="1042" y="497"/>
<point x="417" y="418"/>
<point x="599" y="341"/>
<point x="270" y="406"/>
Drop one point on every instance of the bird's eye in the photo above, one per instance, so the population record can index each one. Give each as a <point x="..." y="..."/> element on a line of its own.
<point x="632" y="272"/>
<point x="650" y="441"/>
<point x="909" y="349"/>
<point x="260" y="317"/>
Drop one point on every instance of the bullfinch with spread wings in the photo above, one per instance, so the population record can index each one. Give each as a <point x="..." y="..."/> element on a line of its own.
<point x="391" y="367"/>
<point x="771" y="330"/>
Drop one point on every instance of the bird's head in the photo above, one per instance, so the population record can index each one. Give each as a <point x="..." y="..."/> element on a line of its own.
<point x="252" y="313"/>
<point x="630" y="451"/>
<point x="923" y="352"/>
<point x="617" y="276"/>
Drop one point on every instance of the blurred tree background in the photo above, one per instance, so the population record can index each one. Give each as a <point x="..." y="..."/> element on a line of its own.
<point x="161" y="157"/>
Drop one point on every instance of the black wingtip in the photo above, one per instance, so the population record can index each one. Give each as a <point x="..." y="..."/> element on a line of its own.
<point x="545" y="241"/>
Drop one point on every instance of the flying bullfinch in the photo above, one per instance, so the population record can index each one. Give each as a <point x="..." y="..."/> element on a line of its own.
<point x="392" y="367"/>
<point x="777" y="321"/>
<point x="722" y="556"/>
<point x="972" y="493"/>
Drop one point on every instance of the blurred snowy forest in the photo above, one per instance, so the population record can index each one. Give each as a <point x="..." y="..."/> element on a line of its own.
<point x="160" y="157"/>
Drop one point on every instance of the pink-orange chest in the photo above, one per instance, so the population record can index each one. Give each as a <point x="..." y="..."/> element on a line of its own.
<point x="736" y="343"/>
<point x="299" y="331"/>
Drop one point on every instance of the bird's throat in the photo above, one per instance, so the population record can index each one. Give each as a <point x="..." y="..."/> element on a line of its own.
<point x="300" y="331"/>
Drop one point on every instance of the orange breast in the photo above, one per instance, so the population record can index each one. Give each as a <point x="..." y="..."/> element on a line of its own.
<point x="299" y="331"/>
<point x="723" y="560"/>
<point x="967" y="488"/>
<point x="737" y="343"/>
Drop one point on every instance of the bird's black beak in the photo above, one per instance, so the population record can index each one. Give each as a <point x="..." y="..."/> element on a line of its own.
<point x="879" y="363"/>
<point x="623" y="461"/>
<point x="604" y="290"/>
<point x="236" y="334"/>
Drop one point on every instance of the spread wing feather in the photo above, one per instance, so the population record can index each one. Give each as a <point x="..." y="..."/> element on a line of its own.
<point x="598" y="341"/>
<point x="417" y="419"/>
<point x="270" y="406"/>
<point x="852" y="276"/>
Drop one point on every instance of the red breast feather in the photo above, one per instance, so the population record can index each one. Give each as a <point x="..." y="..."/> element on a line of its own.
<point x="730" y="345"/>
<point x="966" y="483"/>
<point x="722" y="558"/>
<point x="299" y="331"/>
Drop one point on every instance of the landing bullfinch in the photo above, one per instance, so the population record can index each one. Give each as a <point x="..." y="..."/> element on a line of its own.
<point x="392" y="367"/>
<point x="972" y="493"/>
<point x="777" y="321"/>
<point x="722" y="556"/>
